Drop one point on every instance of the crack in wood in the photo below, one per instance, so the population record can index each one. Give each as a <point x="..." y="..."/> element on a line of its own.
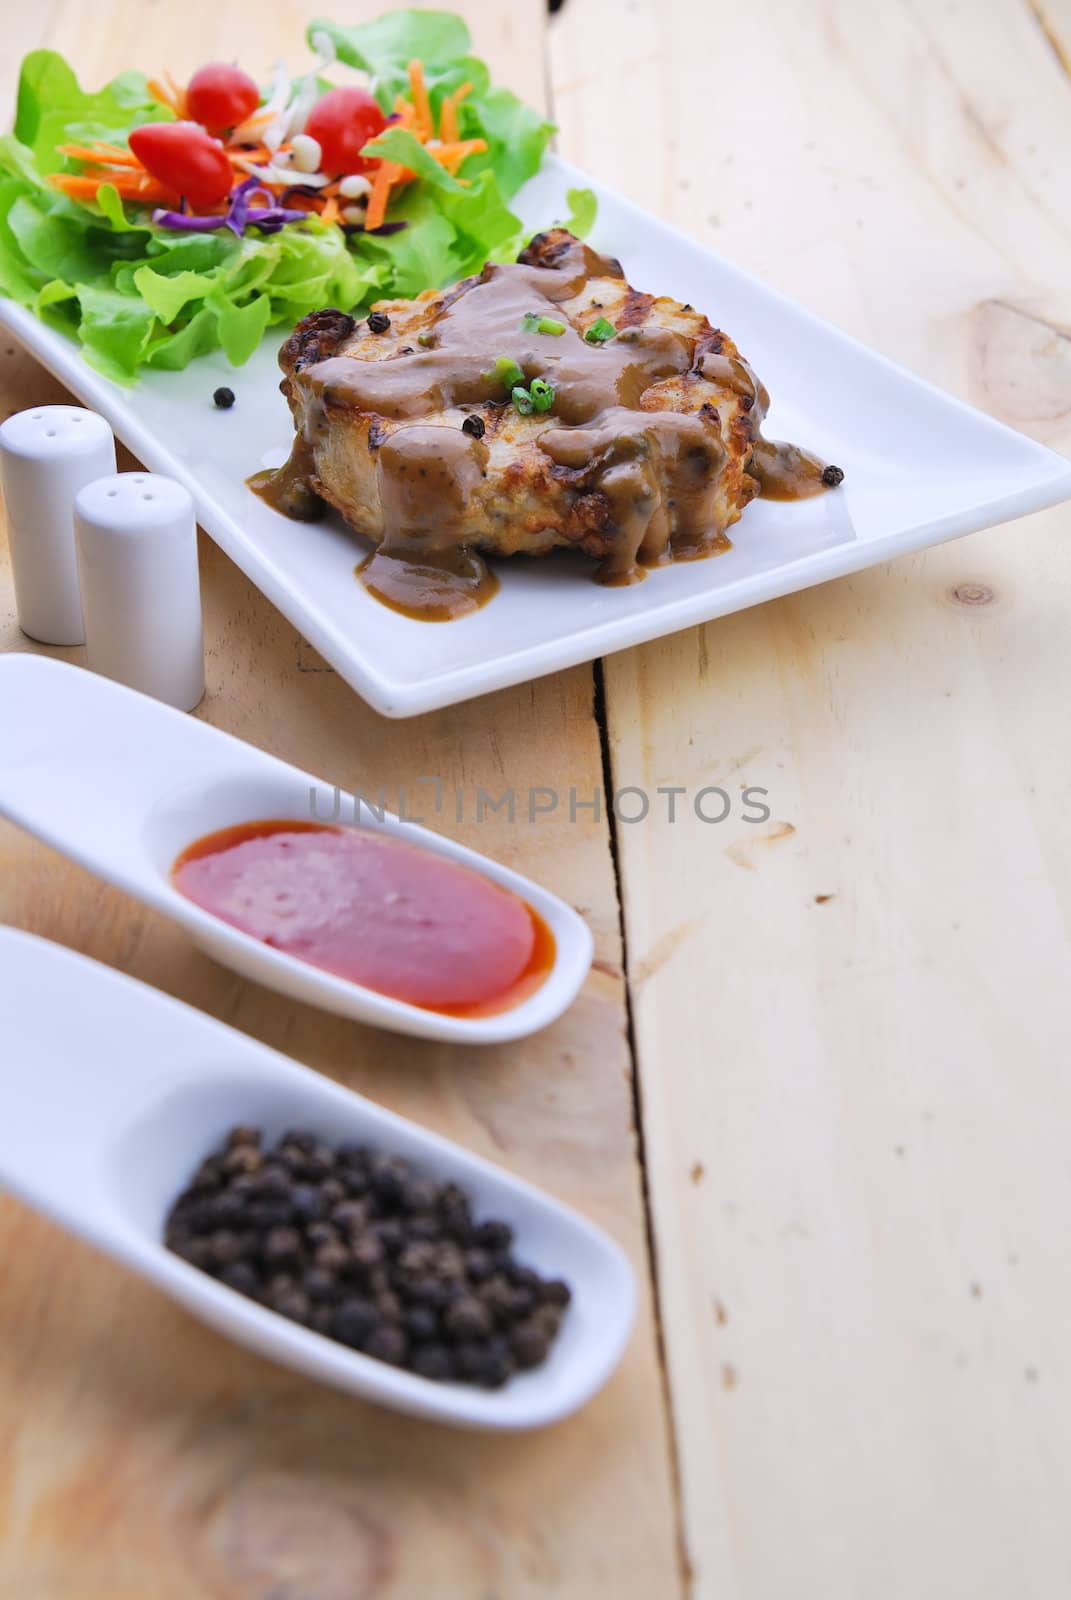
<point x="1050" y="35"/>
<point x="603" y="728"/>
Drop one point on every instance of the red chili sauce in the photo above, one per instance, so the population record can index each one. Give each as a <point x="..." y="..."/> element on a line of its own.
<point x="381" y="912"/>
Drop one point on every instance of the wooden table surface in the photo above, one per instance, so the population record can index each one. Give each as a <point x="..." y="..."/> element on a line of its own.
<point x="817" y="1084"/>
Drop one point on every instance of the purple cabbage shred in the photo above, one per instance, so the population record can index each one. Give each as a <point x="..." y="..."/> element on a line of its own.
<point x="242" y="213"/>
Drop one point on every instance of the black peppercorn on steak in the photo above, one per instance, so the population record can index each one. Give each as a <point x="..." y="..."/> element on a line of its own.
<point x="536" y="405"/>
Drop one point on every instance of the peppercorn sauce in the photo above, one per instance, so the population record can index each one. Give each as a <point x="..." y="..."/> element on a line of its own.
<point x="634" y="447"/>
<point x="372" y="909"/>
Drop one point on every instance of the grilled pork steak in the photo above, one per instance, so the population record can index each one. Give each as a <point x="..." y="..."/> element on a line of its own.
<point x="648" y="452"/>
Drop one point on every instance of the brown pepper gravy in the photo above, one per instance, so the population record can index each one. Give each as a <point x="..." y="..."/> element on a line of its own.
<point x="287" y="488"/>
<point x="786" y="471"/>
<point x="435" y="586"/>
<point x="658" y="470"/>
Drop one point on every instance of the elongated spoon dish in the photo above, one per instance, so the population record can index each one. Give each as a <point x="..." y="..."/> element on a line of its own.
<point x="123" y="784"/>
<point x="111" y="1093"/>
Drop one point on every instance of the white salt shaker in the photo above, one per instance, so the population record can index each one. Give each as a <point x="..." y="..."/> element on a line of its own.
<point x="47" y="454"/>
<point x="137" y="558"/>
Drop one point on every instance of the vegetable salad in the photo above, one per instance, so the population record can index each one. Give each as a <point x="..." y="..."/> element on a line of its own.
<point x="156" y="221"/>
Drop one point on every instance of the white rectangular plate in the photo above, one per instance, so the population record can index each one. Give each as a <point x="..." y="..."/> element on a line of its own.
<point x="921" y="468"/>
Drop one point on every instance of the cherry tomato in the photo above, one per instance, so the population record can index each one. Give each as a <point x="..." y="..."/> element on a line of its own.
<point x="220" y="97"/>
<point x="184" y="157"/>
<point x="342" y="122"/>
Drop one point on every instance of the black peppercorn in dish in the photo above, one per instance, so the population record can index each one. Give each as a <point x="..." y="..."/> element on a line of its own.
<point x="354" y="1244"/>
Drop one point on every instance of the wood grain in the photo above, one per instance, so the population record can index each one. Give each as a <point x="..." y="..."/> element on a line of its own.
<point x="142" y="1455"/>
<point x="851" y="1021"/>
<point x="1054" y="19"/>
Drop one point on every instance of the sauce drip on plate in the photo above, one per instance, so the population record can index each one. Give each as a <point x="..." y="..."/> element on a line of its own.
<point x="287" y="489"/>
<point x="373" y="909"/>
<point x="434" y="587"/>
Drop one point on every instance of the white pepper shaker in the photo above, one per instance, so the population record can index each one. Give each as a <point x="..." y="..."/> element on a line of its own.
<point x="47" y="454"/>
<point x="136" y="537"/>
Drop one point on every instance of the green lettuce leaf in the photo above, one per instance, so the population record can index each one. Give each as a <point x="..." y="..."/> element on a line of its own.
<point x="51" y="245"/>
<point x="516" y="137"/>
<point x="582" y="208"/>
<point x="175" y="349"/>
<point x="168" y="294"/>
<point x="393" y="40"/>
<point x="114" y="328"/>
<point x="240" y="328"/>
<point x="45" y="80"/>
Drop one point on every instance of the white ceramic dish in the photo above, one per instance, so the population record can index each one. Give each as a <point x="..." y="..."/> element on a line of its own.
<point x="109" y="1100"/>
<point x="921" y="468"/>
<point x="122" y="784"/>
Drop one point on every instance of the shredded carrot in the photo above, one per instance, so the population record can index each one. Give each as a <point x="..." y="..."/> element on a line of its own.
<point x="452" y="155"/>
<point x="86" y="186"/>
<point x="259" y="119"/>
<point x="166" y="93"/>
<point x="424" y="125"/>
<point x="330" y="212"/>
<point x="100" y="153"/>
<point x="258" y="154"/>
<point x="462" y="147"/>
<point x="448" y="126"/>
<point x="415" y="115"/>
<point x="74" y="184"/>
<point x="405" y="111"/>
<point x="178" y="94"/>
<point x="114" y="151"/>
<point x="385" y="175"/>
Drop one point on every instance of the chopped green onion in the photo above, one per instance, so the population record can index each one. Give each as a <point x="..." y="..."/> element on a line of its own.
<point x="531" y="322"/>
<point x="600" y="331"/>
<point x="539" y="396"/>
<point x="507" y="372"/>
<point x="542" y="394"/>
